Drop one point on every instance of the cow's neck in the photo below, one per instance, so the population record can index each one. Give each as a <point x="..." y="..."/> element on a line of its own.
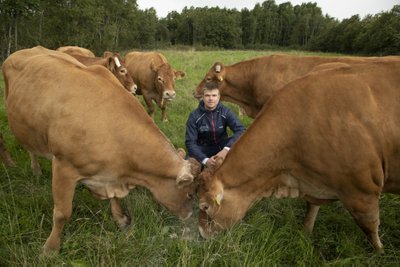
<point x="240" y="77"/>
<point x="143" y="155"/>
<point x="258" y="157"/>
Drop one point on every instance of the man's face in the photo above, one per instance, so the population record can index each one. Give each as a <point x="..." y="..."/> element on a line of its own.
<point x="211" y="98"/>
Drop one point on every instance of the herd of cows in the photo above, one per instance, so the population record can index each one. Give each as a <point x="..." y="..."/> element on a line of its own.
<point x="324" y="129"/>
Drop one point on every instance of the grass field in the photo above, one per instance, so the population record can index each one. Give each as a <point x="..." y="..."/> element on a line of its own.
<point x="270" y="234"/>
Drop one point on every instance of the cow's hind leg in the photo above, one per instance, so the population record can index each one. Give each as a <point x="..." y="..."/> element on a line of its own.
<point x="63" y="187"/>
<point x="119" y="216"/>
<point x="365" y="211"/>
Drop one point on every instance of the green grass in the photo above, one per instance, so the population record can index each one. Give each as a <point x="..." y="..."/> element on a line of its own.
<point x="270" y="233"/>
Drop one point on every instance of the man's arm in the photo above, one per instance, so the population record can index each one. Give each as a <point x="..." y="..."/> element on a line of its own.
<point x="235" y="125"/>
<point x="191" y="140"/>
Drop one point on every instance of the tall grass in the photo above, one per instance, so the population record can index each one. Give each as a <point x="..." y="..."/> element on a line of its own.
<point x="270" y="233"/>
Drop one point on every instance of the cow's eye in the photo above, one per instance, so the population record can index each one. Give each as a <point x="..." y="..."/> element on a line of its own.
<point x="190" y="196"/>
<point x="208" y="79"/>
<point x="160" y="80"/>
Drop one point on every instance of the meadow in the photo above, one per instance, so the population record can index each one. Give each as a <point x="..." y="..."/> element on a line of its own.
<point x="269" y="235"/>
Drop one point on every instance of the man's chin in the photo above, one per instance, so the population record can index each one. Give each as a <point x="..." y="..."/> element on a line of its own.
<point x="211" y="107"/>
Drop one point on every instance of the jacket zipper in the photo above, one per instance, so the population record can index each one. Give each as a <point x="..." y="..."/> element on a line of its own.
<point x="213" y="128"/>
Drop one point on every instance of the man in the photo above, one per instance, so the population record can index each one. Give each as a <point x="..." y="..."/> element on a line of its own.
<point x="206" y="128"/>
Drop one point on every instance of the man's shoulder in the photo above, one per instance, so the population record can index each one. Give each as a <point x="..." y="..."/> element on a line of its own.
<point x="195" y="114"/>
<point x="224" y="110"/>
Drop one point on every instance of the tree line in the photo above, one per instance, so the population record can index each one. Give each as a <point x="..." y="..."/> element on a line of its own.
<point x="119" y="25"/>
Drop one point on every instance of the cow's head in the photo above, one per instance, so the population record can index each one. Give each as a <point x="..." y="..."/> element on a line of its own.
<point x="164" y="79"/>
<point x="215" y="75"/>
<point x="117" y="66"/>
<point x="179" y="195"/>
<point x="219" y="209"/>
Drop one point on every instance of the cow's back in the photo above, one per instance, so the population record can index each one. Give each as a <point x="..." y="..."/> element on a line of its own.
<point x="62" y="114"/>
<point x="76" y="51"/>
<point x="251" y="83"/>
<point x="141" y="66"/>
<point x="340" y="121"/>
<point x="282" y="69"/>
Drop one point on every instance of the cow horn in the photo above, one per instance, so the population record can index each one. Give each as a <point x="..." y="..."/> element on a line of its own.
<point x="218" y="68"/>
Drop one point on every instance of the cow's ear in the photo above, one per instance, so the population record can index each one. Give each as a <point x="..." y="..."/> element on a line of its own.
<point x="111" y="64"/>
<point x="179" y="74"/>
<point x="153" y="66"/>
<point x="181" y="152"/>
<point x="219" y="197"/>
<point x="219" y="71"/>
<point x="218" y="192"/>
<point x="107" y="54"/>
<point x="184" y="180"/>
<point x="218" y="67"/>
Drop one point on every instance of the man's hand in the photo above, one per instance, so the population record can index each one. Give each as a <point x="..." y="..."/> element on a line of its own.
<point x="222" y="154"/>
<point x="213" y="160"/>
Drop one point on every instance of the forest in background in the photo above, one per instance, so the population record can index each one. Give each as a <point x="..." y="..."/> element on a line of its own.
<point x="119" y="25"/>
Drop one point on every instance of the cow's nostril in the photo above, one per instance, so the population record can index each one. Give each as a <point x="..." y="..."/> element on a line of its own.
<point x="204" y="206"/>
<point x="169" y="94"/>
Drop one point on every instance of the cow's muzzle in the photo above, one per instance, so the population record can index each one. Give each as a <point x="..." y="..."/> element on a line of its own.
<point x="169" y="94"/>
<point x="133" y="89"/>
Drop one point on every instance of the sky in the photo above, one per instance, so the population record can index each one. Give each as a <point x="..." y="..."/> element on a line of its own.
<point x="340" y="9"/>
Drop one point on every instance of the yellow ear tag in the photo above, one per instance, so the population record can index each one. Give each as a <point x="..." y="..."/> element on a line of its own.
<point x="218" y="201"/>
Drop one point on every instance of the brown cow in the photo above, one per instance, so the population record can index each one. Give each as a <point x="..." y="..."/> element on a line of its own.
<point x="250" y="83"/>
<point x="114" y="63"/>
<point x="333" y="134"/>
<point x="155" y="79"/>
<point x="83" y="120"/>
<point x="76" y="51"/>
<point x="4" y="155"/>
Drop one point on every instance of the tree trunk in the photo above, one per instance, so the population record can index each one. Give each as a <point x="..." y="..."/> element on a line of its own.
<point x="9" y="40"/>
<point x="16" y="36"/>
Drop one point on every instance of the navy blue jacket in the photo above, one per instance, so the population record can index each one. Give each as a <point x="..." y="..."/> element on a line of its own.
<point x="206" y="131"/>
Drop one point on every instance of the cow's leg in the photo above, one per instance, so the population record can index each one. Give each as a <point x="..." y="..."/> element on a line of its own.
<point x="365" y="211"/>
<point x="35" y="164"/>
<point x="63" y="187"/>
<point x="5" y="156"/>
<point x="309" y="219"/>
<point x="150" y="105"/>
<point x="163" y="107"/>
<point x="119" y="216"/>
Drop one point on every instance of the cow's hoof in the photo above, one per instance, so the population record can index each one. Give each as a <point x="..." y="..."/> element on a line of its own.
<point x="51" y="248"/>
<point x="123" y="222"/>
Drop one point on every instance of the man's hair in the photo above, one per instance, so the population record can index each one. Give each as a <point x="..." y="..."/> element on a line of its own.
<point x="210" y="86"/>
